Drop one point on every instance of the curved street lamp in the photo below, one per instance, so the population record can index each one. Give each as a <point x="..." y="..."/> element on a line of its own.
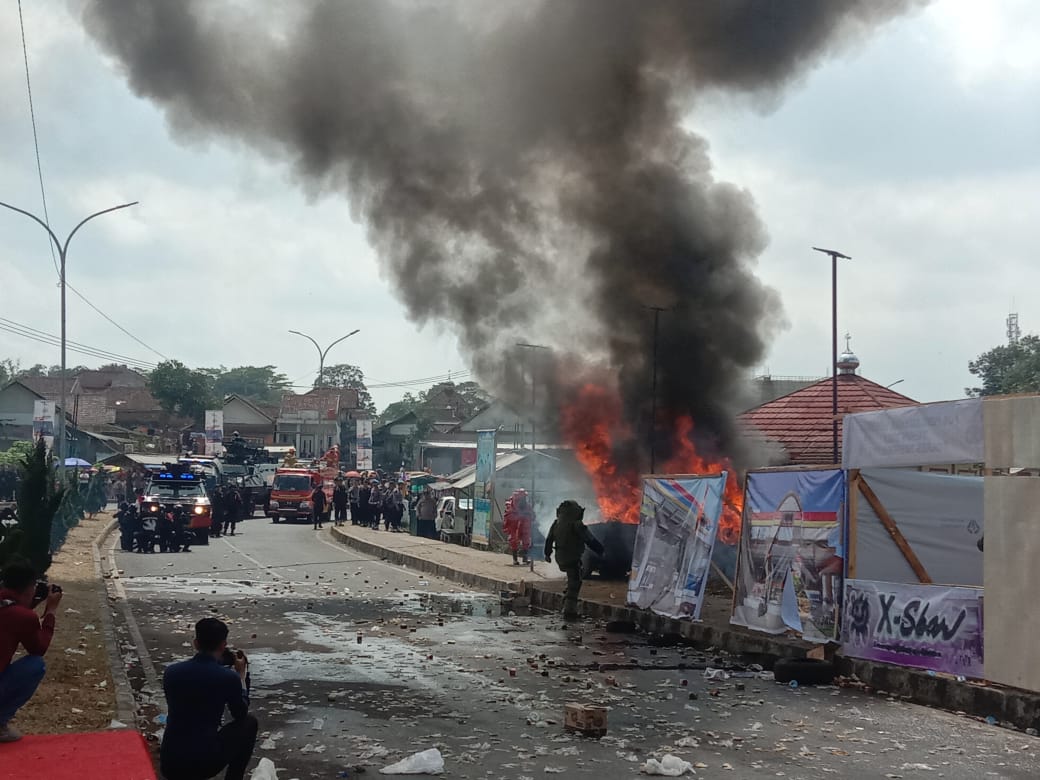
<point x="323" y="352"/>
<point x="63" y="249"/>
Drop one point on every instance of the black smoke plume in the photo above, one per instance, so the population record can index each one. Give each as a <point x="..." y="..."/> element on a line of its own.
<point x="522" y="168"/>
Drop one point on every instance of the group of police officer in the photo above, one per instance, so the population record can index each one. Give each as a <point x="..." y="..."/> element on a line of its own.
<point x="142" y="531"/>
<point x="227" y="507"/>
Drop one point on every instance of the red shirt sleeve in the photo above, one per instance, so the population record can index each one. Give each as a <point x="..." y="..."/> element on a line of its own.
<point x="34" y="634"/>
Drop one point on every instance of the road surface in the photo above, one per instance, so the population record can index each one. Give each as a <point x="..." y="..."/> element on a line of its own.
<point x="358" y="663"/>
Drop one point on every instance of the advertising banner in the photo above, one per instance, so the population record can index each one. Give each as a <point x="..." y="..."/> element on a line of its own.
<point x="792" y="553"/>
<point x="924" y="626"/>
<point x="214" y="431"/>
<point x="484" y="487"/>
<point x="44" y="421"/>
<point x="678" y="521"/>
<point x="364" y="445"/>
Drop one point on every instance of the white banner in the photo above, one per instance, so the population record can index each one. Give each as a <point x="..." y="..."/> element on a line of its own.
<point x="214" y="431"/>
<point x="364" y="445"/>
<point x="45" y="415"/>
<point x="678" y="522"/>
<point x="948" y="432"/>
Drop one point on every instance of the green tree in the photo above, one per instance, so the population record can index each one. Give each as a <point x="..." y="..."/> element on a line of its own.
<point x="398" y="409"/>
<point x="1008" y="368"/>
<point x="182" y="391"/>
<point x="38" y="501"/>
<point x="16" y="454"/>
<point x="53" y="372"/>
<point x="262" y="384"/>
<point x="9" y="369"/>
<point x="348" y="377"/>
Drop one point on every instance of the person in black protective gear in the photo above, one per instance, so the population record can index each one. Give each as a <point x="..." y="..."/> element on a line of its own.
<point x="339" y="501"/>
<point x="128" y="519"/>
<point x="195" y="745"/>
<point x="166" y="532"/>
<point x="318" y="502"/>
<point x="570" y="537"/>
<point x="218" y="509"/>
<point x="232" y="509"/>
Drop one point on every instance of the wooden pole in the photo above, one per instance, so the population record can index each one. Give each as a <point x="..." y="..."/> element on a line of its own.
<point x="850" y="543"/>
<point x="894" y="532"/>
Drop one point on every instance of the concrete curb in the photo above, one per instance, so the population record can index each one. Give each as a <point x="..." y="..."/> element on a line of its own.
<point x="428" y="567"/>
<point x="126" y="707"/>
<point x="1009" y="706"/>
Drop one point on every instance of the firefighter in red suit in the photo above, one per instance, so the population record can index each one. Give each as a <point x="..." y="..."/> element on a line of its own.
<point x="516" y="522"/>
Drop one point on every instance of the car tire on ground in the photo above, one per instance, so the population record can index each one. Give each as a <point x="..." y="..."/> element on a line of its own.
<point x="805" y="671"/>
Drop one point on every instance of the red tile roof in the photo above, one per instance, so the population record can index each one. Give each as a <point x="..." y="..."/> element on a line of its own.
<point x="801" y="421"/>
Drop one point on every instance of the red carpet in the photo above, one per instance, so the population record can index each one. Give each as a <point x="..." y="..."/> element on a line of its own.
<point x="96" y="755"/>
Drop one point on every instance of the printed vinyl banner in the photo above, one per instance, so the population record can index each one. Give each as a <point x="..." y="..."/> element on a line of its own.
<point x="678" y="521"/>
<point x="484" y="486"/>
<point x="792" y="553"/>
<point x="44" y="414"/>
<point x="214" y="431"/>
<point x="364" y="445"/>
<point x="924" y="626"/>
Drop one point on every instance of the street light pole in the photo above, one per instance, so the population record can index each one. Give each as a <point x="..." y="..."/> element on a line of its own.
<point x="63" y="249"/>
<point x="323" y="352"/>
<point x="834" y="254"/>
<point x="534" y="384"/>
<point x="653" y="391"/>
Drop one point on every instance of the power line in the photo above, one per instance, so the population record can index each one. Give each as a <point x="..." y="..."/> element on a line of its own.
<point x="43" y="337"/>
<point x="404" y="383"/>
<point x="43" y="192"/>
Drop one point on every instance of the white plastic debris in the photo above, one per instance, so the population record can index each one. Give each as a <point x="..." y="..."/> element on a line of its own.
<point x="265" y="770"/>
<point x="668" y="766"/>
<point x="715" y="674"/>
<point x="428" y="762"/>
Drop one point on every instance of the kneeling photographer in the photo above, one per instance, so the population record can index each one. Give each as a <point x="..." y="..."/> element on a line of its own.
<point x="20" y="625"/>
<point x="195" y="746"/>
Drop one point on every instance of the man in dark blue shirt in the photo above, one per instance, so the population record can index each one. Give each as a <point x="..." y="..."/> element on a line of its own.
<point x="195" y="746"/>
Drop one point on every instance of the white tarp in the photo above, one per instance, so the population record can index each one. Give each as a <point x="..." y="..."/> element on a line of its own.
<point x="941" y="517"/>
<point x="948" y="432"/>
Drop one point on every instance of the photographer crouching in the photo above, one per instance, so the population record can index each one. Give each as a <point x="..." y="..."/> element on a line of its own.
<point x="195" y="746"/>
<point x="20" y="625"/>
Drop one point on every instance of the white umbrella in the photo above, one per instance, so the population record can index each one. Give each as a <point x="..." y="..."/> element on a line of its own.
<point x="76" y="462"/>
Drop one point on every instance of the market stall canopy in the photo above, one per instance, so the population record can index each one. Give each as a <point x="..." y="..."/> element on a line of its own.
<point x="77" y="463"/>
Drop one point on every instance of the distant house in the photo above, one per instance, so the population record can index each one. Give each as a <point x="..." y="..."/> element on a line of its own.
<point x="312" y="422"/>
<point x="254" y="423"/>
<point x="798" y="427"/>
<point x="390" y="442"/>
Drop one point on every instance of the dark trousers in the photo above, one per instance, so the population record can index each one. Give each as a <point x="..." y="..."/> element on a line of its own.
<point x="318" y="518"/>
<point x="570" y="596"/>
<point x="355" y="515"/>
<point x="18" y="682"/>
<point x="237" y="740"/>
<point x="341" y="512"/>
<point x="230" y="522"/>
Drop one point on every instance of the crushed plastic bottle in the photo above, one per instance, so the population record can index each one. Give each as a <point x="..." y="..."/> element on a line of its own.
<point x="991" y="720"/>
<point x="793" y="684"/>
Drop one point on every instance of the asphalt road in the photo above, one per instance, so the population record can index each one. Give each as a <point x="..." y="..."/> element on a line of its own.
<point x="432" y="669"/>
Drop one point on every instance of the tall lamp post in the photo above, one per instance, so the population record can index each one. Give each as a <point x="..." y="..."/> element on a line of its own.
<point x="323" y="352"/>
<point x="834" y="254"/>
<point x="63" y="249"/>
<point x="653" y="391"/>
<point x="534" y="385"/>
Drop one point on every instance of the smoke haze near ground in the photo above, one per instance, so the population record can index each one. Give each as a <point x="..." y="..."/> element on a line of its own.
<point x="521" y="167"/>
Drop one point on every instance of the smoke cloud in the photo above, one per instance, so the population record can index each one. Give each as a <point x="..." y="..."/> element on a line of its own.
<point x="522" y="168"/>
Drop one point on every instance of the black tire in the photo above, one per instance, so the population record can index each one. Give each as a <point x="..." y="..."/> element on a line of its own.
<point x="202" y="537"/>
<point x="805" y="671"/>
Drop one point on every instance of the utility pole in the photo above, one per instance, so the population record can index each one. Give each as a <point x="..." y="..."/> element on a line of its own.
<point x="534" y="385"/>
<point x="834" y="254"/>
<point x="323" y="352"/>
<point x="653" y="391"/>
<point x="63" y="249"/>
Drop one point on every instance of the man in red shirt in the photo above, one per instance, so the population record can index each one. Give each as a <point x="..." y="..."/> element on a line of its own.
<point x="20" y="625"/>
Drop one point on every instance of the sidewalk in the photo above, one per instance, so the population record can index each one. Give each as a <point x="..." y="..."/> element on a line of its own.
<point x="606" y="601"/>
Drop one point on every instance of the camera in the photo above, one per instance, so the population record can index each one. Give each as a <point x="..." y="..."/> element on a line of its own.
<point x="43" y="590"/>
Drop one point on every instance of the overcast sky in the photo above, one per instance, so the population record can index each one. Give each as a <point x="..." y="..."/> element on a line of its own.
<point x="916" y="153"/>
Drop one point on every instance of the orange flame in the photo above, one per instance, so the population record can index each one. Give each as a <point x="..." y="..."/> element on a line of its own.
<point x="594" y="426"/>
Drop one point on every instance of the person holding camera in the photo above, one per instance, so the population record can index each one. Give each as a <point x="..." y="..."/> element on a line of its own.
<point x="195" y="746"/>
<point x="20" y="625"/>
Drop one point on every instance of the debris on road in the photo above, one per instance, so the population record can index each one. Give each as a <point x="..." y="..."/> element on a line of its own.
<point x="668" y="766"/>
<point x="427" y="762"/>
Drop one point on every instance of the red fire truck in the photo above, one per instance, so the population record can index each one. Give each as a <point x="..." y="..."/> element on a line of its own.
<point x="292" y="488"/>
